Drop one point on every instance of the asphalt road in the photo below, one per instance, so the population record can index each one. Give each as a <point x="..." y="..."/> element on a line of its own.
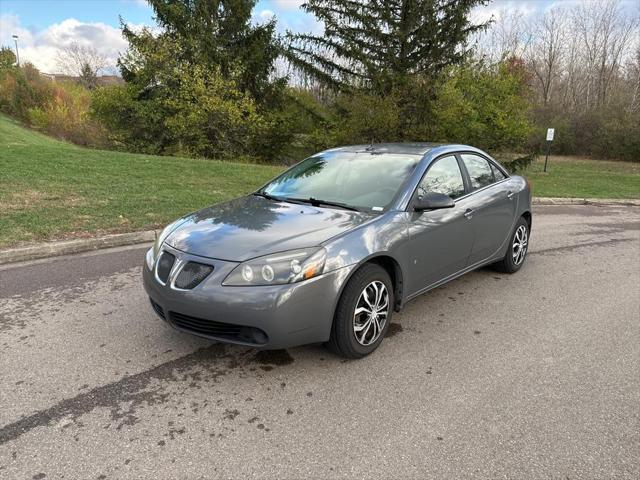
<point x="534" y="375"/>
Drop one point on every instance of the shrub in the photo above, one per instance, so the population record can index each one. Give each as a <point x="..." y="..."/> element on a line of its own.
<point x="485" y="106"/>
<point x="60" y="109"/>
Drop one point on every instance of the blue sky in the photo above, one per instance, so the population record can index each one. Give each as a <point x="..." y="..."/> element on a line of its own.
<point x="46" y="26"/>
<point x="39" y="14"/>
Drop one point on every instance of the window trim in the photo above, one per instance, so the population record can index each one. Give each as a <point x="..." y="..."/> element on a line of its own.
<point x="466" y="179"/>
<point x="466" y="173"/>
<point x="431" y="164"/>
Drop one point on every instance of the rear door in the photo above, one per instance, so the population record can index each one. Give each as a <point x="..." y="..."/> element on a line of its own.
<point x="439" y="241"/>
<point x="492" y="205"/>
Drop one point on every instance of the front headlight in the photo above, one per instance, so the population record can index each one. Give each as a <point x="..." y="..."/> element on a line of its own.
<point x="279" y="268"/>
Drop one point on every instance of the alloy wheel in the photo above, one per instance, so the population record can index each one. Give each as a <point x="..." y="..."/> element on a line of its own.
<point x="520" y="243"/>
<point x="371" y="313"/>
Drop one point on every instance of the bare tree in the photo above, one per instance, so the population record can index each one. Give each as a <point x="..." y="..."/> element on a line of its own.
<point x="81" y="61"/>
<point x="508" y="36"/>
<point x="605" y="32"/>
<point x="547" y="50"/>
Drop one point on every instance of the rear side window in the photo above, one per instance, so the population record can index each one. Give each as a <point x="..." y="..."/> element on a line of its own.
<point x="479" y="170"/>
<point x="497" y="173"/>
<point x="444" y="176"/>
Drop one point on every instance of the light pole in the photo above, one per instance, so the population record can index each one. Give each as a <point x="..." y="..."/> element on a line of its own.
<point x="15" y="39"/>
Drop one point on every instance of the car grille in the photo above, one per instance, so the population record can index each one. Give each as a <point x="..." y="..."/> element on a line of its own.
<point x="213" y="329"/>
<point x="192" y="274"/>
<point x="158" y="309"/>
<point x="165" y="263"/>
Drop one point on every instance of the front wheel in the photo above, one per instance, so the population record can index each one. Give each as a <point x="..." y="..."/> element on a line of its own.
<point x="363" y="314"/>
<point x="518" y="248"/>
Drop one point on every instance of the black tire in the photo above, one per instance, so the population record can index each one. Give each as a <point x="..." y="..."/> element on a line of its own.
<point x="343" y="338"/>
<point x="508" y="263"/>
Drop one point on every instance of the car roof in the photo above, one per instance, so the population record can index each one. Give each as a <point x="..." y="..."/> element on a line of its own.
<point x="414" y="148"/>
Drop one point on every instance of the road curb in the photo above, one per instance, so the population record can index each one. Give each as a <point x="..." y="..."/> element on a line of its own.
<point x="66" y="247"/>
<point x="584" y="201"/>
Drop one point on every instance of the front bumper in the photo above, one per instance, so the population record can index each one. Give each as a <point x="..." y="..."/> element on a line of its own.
<point x="289" y="315"/>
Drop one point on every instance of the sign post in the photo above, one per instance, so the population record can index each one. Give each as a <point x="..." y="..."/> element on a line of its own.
<point x="550" y="133"/>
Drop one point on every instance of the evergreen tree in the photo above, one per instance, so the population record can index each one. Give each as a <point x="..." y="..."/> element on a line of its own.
<point x="7" y="58"/>
<point x="88" y="77"/>
<point x="215" y="34"/>
<point x="378" y="44"/>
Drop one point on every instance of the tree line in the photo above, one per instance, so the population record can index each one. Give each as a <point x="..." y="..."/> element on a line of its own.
<point x="209" y="82"/>
<point x="584" y="64"/>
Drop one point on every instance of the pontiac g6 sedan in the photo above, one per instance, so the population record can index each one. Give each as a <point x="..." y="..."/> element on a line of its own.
<point x="327" y="251"/>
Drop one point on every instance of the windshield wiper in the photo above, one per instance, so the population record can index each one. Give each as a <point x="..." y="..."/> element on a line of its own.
<point x="268" y="197"/>
<point x="317" y="202"/>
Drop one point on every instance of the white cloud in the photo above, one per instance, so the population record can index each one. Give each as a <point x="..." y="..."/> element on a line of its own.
<point x="41" y="47"/>
<point x="264" y="15"/>
<point x="287" y="4"/>
<point x="498" y="8"/>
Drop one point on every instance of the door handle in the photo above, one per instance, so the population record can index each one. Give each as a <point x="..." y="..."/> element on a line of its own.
<point x="468" y="214"/>
<point x="510" y="195"/>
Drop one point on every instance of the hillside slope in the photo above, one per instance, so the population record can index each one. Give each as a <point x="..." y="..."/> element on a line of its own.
<point x="51" y="189"/>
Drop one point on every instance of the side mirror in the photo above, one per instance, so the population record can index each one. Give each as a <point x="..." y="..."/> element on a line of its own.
<point x="433" y="201"/>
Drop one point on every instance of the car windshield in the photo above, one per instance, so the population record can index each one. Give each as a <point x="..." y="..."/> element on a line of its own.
<point x="363" y="180"/>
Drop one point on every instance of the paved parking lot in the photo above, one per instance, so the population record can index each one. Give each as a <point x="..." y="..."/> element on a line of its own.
<point x="534" y="375"/>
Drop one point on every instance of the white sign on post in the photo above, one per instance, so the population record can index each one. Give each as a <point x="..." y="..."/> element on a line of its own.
<point x="550" y="133"/>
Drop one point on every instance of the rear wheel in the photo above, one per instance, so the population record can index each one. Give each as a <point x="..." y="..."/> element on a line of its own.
<point x="518" y="248"/>
<point x="363" y="314"/>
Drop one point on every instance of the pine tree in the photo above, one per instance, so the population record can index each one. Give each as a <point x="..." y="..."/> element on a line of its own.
<point x="215" y="34"/>
<point x="88" y="77"/>
<point x="378" y="44"/>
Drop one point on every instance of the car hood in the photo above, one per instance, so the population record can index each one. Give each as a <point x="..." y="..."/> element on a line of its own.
<point x="252" y="226"/>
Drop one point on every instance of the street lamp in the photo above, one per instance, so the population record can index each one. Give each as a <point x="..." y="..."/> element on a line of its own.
<point x="15" y="39"/>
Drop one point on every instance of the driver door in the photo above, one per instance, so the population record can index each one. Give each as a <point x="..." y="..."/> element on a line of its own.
<point x="439" y="241"/>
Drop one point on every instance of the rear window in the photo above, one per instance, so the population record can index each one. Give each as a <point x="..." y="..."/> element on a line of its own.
<point x="497" y="173"/>
<point x="479" y="170"/>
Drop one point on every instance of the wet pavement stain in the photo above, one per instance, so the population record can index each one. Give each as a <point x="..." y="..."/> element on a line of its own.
<point x="133" y="391"/>
<point x="273" y="357"/>
<point x="571" y="248"/>
<point x="394" y="329"/>
<point x="231" y="414"/>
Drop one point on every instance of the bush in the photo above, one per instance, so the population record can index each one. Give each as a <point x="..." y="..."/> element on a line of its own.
<point x="610" y="132"/>
<point x="366" y="118"/>
<point x="485" y="106"/>
<point x="60" y="109"/>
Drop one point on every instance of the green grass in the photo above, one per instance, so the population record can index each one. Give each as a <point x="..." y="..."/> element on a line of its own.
<point x="54" y="190"/>
<point x="584" y="178"/>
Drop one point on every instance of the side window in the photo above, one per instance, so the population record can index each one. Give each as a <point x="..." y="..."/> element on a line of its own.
<point x="497" y="174"/>
<point x="479" y="170"/>
<point x="444" y="176"/>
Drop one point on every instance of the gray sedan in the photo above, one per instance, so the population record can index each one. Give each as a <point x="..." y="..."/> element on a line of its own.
<point x="327" y="251"/>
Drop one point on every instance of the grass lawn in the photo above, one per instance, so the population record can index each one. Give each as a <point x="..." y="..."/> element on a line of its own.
<point x="584" y="178"/>
<point x="53" y="190"/>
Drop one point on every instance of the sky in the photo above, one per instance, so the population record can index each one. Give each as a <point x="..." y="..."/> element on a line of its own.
<point x="46" y="26"/>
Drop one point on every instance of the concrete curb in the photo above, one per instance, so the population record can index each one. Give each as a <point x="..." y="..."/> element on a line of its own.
<point x="584" y="201"/>
<point x="66" y="247"/>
